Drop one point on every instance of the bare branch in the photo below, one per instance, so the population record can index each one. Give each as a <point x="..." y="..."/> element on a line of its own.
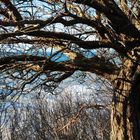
<point x="76" y="117"/>
<point x="16" y="15"/>
<point x="119" y="21"/>
<point x="95" y="64"/>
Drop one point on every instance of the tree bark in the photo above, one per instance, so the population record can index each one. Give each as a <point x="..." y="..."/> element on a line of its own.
<point x="125" y="116"/>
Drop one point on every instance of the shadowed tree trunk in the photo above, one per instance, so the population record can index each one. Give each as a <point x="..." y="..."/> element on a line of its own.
<point x="125" y="117"/>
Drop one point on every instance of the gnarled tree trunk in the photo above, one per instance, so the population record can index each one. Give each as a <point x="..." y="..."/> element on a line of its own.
<point x="125" y="117"/>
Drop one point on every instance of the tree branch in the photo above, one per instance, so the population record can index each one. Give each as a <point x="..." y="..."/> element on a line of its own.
<point x="119" y="21"/>
<point x="77" y="116"/>
<point x="16" y="15"/>
<point x="95" y="64"/>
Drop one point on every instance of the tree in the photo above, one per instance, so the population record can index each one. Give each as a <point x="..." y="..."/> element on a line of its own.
<point x="65" y="118"/>
<point x="109" y="27"/>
